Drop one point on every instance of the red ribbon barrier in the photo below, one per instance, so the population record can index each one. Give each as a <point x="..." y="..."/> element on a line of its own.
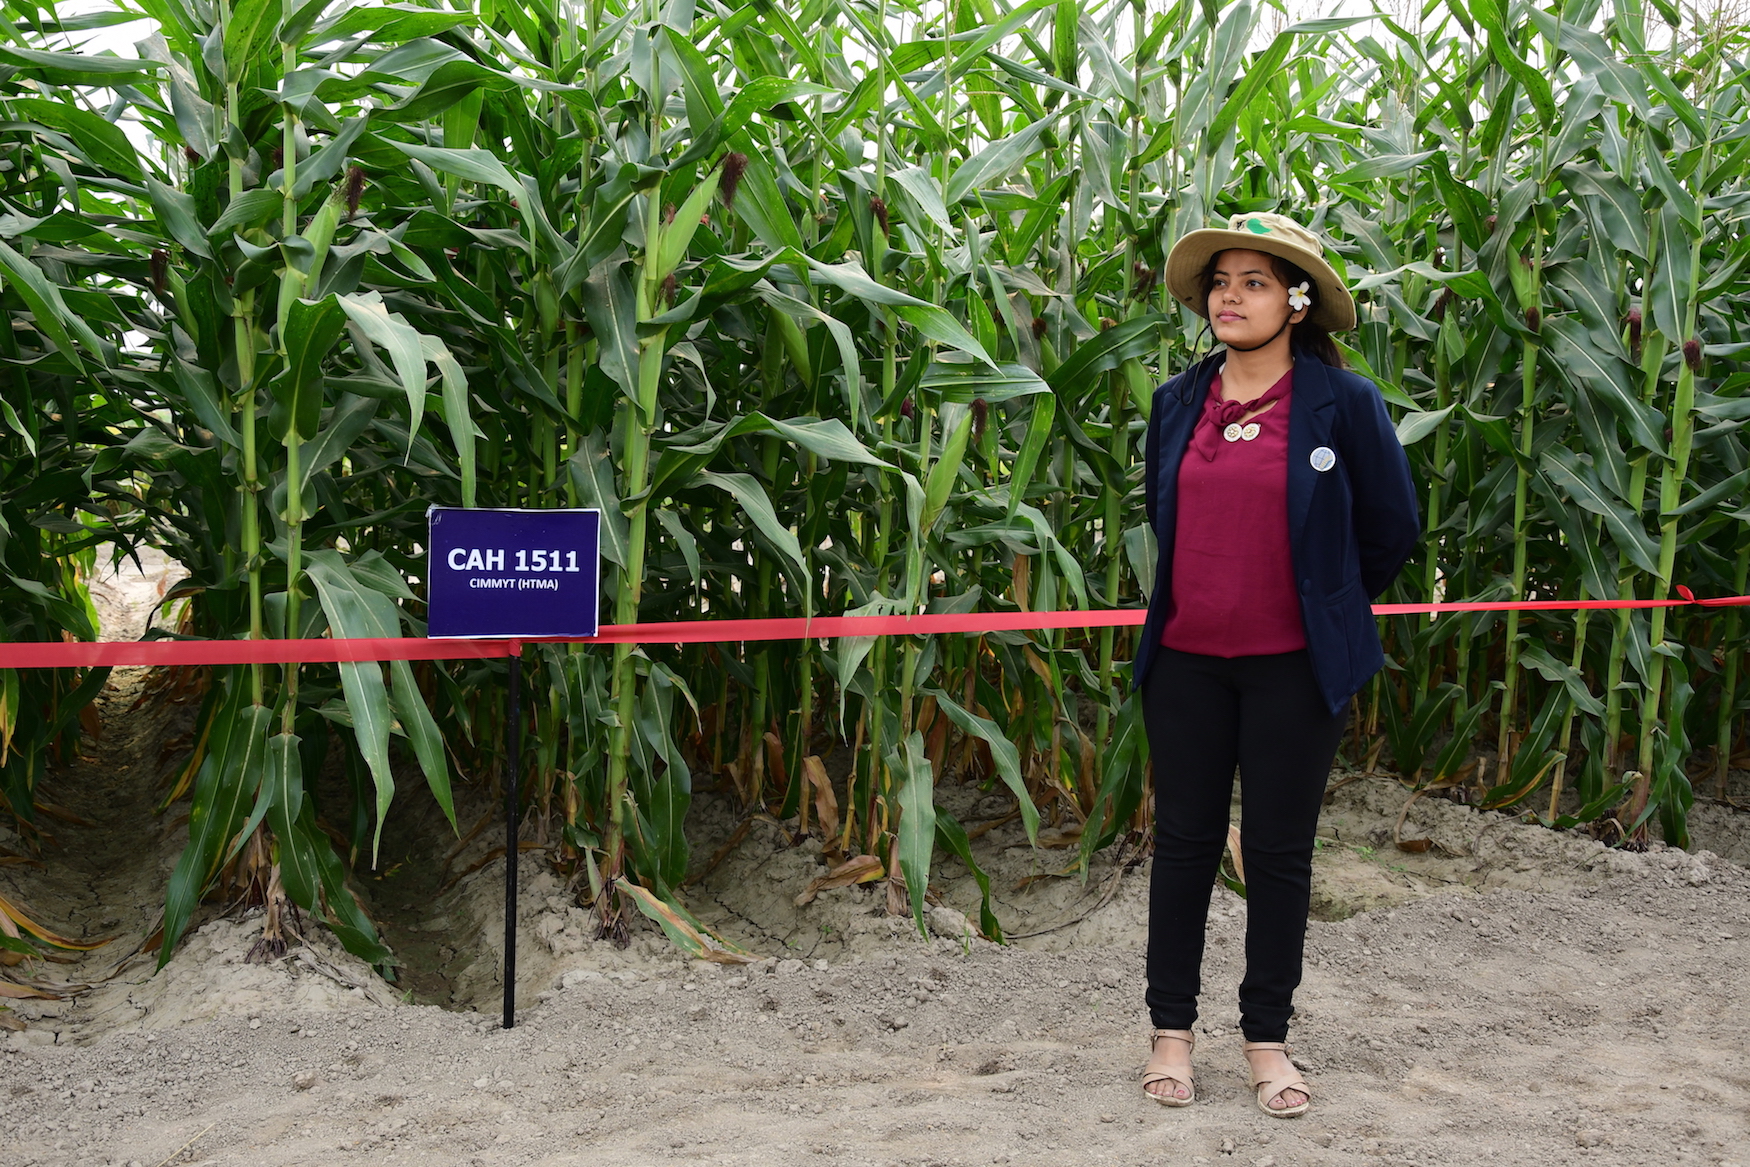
<point x="1556" y="605"/>
<point x="85" y="654"/>
<point x="63" y="655"/>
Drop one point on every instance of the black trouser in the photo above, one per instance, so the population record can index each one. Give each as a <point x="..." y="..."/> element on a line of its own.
<point x="1204" y="716"/>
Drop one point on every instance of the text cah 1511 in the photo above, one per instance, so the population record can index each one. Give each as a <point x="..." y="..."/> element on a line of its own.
<point x="535" y="560"/>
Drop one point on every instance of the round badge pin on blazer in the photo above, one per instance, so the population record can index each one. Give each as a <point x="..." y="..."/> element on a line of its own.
<point x="1323" y="459"/>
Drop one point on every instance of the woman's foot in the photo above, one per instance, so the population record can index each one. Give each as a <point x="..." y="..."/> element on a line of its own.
<point x="1167" y="1077"/>
<point x="1281" y="1092"/>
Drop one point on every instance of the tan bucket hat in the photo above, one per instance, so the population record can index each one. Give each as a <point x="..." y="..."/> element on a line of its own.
<point x="1334" y="309"/>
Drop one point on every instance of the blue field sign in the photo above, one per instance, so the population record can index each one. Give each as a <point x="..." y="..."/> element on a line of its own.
<point x="497" y="573"/>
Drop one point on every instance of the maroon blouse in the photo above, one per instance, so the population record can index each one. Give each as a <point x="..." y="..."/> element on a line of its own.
<point x="1233" y="572"/>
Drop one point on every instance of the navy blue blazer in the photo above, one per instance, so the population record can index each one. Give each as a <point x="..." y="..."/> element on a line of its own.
<point x="1351" y="527"/>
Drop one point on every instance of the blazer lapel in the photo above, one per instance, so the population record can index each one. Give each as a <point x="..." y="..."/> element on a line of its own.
<point x="1176" y="430"/>
<point x="1309" y="427"/>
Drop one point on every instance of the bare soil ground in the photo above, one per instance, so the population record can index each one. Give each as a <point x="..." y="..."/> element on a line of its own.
<point x="1508" y="996"/>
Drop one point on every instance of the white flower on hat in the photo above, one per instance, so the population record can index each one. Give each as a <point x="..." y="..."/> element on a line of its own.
<point x="1298" y="298"/>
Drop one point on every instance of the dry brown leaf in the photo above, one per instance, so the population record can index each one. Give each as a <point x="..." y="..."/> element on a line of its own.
<point x="1413" y="846"/>
<point x="1065" y="836"/>
<point x="775" y="761"/>
<point x="826" y="803"/>
<point x="1064" y="799"/>
<point x="1371" y="765"/>
<point x="722" y="852"/>
<point x="1458" y="777"/>
<point x="185" y="779"/>
<point x="17" y="991"/>
<point x="1233" y="848"/>
<point x="699" y="944"/>
<point x="1020" y="577"/>
<point x="936" y="747"/>
<point x="1028" y="881"/>
<point x="1039" y="667"/>
<point x="494" y="853"/>
<point x="984" y="829"/>
<point x="491" y="816"/>
<point x="898" y="896"/>
<point x="897" y="903"/>
<point x="62" y="813"/>
<point x="862" y="869"/>
<point x="10" y="915"/>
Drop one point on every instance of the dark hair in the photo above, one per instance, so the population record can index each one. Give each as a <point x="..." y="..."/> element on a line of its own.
<point x="1306" y="336"/>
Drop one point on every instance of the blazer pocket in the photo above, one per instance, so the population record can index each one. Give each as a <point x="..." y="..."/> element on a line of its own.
<point x="1350" y="611"/>
<point x="1366" y="655"/>
<point x="1345" y="591"/>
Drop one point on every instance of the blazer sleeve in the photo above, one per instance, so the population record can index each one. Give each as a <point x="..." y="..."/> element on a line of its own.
<point x="1387" y="519"/>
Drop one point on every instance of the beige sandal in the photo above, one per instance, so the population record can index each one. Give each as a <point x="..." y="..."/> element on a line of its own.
<point x="1269" y="1088"/>
<point x="1156" y="1072"/>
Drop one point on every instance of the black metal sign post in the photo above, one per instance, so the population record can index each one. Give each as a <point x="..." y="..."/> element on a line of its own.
<point x="507" y="574"/>
<point x="513" y="748"/>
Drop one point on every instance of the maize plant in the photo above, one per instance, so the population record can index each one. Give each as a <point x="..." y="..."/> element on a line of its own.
<point x="854" y="306"/>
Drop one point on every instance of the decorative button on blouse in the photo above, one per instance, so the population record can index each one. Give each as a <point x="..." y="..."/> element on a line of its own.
<point x="1223" y="417"/>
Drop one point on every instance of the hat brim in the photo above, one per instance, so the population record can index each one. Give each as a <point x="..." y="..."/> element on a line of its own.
<point x="1335" y="307"/>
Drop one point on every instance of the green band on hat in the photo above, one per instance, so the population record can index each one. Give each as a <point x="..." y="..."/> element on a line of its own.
<point x="1257" y="227"/>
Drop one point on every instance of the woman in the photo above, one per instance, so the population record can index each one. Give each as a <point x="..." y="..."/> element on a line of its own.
<point x="1282" y="504"/>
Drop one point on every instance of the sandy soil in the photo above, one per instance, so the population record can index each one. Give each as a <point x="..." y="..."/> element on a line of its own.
<point x="1510" y="995"/>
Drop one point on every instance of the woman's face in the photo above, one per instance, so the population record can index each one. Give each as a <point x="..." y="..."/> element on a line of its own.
<point x="1248" y="302"/>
